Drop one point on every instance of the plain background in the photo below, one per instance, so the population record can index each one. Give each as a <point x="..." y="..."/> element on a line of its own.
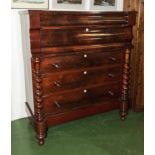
<point x="18" y="85"/>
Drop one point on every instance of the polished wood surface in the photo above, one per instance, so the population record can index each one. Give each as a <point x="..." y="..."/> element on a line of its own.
<point x="83" y="36"/>
<point x="57" y="82"/>
<point x="55" y="18"/>
<point x="83" y="112"/>
<point x="137" y="55"/>
<point x="80" y="60"/>
<point x="80" y="64"/>
<point x="79" y="97"/>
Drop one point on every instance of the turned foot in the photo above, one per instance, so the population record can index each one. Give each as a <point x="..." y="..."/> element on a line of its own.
<point x="41" y="131"/>
<point x="40" y="141"/>
<point x="123" y="115"/>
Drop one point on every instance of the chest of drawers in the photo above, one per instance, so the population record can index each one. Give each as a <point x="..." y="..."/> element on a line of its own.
<point x="76" y="64"/>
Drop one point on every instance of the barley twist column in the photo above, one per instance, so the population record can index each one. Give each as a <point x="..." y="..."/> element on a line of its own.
<point x="39" y="115"/>
<point x="125" y="85"/>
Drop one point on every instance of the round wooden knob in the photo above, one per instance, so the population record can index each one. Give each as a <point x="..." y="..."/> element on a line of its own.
<point x="111" y="75"/>
<point x="57" y="83"/>
<point x="57" y="104"/>
<point x="112" y="58"/>
<point x="56" y="65"/>
<point x="111" y="93"/>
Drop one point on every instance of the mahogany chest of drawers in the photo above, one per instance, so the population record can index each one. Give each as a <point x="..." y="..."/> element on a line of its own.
<point x="76" y="64"/>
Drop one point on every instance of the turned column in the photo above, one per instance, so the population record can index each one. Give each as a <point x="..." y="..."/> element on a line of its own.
<point x="40" y="123"/>
<point x="125" y="85"/>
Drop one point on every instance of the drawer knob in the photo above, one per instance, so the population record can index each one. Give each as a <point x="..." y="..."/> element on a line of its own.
<point x="57" y="104"/>
<point x="111" y="75"/>
<point x="112" y="58"/>
<point x="56" y="65"/>
<point x="85" y="72"/>
<point x="85" y="90"/>
<point x="87" y="29"/>
<point x="111" y="93"/>
<point x="85" y="55"/>
<point x="57" y="83"/>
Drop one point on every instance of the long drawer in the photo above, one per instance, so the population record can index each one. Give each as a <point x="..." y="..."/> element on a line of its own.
<point x="77" y="98"/>
<point x="83" y="18"/>
<point x="83" y="35"/>
<point x="79" y="60"/>
<point x="57" y="82"/>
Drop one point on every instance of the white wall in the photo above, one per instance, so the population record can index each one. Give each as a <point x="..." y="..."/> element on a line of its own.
<point x="18" y="85"/>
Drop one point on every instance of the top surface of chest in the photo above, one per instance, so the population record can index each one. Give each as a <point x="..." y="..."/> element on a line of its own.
<point x="67" y="18"/>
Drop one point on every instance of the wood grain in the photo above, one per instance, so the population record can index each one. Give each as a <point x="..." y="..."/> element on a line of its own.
<point x="80" y="64"/>
<point x="137" y="55"/>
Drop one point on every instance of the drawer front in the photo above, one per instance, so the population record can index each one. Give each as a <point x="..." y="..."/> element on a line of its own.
<point x="80" y="60"/>
<point x="79" y="18"/>
<point x="80" y="97"/>
<point x="81" y="36"/>
<point x="69" y="80"/>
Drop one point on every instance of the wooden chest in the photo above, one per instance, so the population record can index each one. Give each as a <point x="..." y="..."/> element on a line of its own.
<point x="76" y="64"/>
